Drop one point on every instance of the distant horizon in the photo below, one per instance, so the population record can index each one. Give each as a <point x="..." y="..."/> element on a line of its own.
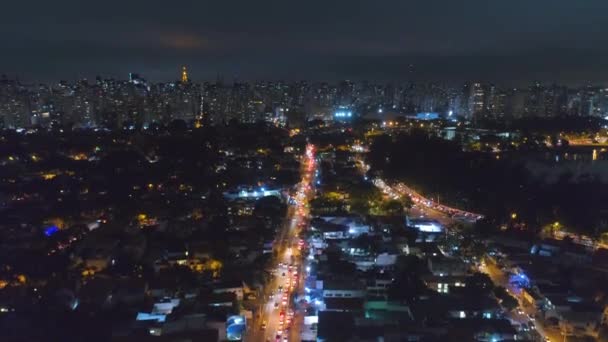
<point x="27" y="80"/>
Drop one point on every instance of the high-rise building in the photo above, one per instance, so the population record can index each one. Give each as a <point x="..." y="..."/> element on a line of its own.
<point x="602" y="103"/>
<point x="535" y="104"/>
<point x="184" y="75"/>
<point x="476" y="100"/>
<point x="496" y="102"/>
<point x="515" y="103"/>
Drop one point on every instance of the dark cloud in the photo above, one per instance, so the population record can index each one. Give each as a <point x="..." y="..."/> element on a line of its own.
<point x="445" y="39"/>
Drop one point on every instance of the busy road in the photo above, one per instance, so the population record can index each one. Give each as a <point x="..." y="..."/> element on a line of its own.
<point x="421" y="203"/>
<point x="400" y="190"/>
<point x="278" y="312"/>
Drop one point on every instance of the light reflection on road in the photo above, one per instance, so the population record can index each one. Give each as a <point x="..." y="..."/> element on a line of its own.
<point x="278" y="309"/>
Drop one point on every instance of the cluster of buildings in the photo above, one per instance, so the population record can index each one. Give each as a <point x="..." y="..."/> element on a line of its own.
<point x="559" y="283"/>
<point x="148" y="235"/>
<point x="421" y="279"/>
<point x="371" y="281"/>
<point x="370" y="278"/>
<point x="375" y="282"/>
<point x="136" y="102"/>
<point x="171" y="234"/>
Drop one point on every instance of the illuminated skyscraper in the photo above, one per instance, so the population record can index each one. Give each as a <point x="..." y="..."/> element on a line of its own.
<point x="184" y="75"/>
<point x="476" y="99"/>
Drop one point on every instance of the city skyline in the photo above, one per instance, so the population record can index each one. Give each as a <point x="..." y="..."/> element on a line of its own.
<point x="553" y="41"/>
<point x="136" y="102"/>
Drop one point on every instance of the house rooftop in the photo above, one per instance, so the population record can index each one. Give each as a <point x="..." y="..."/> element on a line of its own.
<point x="344" y="304"/>
<point x="335" y="326"/>
<point x="466" y="329"/>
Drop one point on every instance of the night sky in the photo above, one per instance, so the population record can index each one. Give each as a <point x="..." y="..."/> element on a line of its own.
<point x="451" y="40"/>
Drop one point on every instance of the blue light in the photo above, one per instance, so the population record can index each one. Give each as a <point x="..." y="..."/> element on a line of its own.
<point x="427" y="116"/>
<point x="142" y="316"/>
<point x="51" y="230"/>
<point x="343" y="114"/>
<point x="520" y="279"/>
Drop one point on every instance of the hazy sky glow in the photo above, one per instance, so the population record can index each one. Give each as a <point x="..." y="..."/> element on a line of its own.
<point x="558" y="40"/>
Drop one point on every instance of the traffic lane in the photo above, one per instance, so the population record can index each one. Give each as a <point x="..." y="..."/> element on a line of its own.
<point x="274" y="327"/>
<point x="268" y="317"/>
<point x="298" y="317"/>
<point x="265" y="306"/>
<point x="273" y="324"/>
<point x="405" y="190"/>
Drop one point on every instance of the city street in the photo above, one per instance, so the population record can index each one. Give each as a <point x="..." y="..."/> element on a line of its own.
<point x="423" y="207"/>
<point x="278" y="318"/>
<point x="400" y="190"/>
<point x="525" y="313"/>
